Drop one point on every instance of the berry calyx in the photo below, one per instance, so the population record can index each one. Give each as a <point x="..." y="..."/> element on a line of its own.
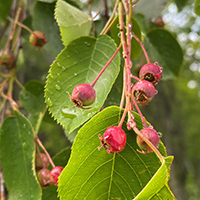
<point x="83" y="95"/>
<point x="113" y="140"/>
<point x="44" y="177"/>
<point x="41" y="161"/>
<point x="151" y="72"/>
<point x="55" y="173"/>
<point x="37" y="39"/>
<point x="7" y="58"/>
<point x="150" y="134"/>
<point x="143" y="92"/>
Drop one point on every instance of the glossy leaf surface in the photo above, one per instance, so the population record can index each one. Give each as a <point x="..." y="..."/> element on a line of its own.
<point x="94" y="174"/>
<point x="80" y="62"/>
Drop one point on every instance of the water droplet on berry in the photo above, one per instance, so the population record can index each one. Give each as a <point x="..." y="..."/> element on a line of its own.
<point x="57" y="87"/>
<point x="49" y="102"/>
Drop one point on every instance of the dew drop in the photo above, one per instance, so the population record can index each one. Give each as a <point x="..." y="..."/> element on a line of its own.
<point x="68" y="113"/>
<point x="119" y="34"/>
<point x="58" y="64"/>
<point x="75" y="74"/>
<point x="49" y="102"/>
<point x="87" y="44"/>
<point x="63" y="67"/>
<point x="57" y="87"/>
<point x="24" y="144"/>
<point x="24" y="125"/>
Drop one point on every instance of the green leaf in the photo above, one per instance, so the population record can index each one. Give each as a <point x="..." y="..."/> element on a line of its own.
<point x="73" y="22"/>
<point x="181" y="3"/>
<point x="43" y="20"/>
<point x="17" y="158"/>
<point x="163" y="48"/>
<point x="32" y="99"/>
<point x="135" y="46"/>
<point x="80" y="62"/>
<point x="140" y="18"/>
<point x="197" y="7"/>
<point x="122" y="175"/>
<point x="5" y="7"/>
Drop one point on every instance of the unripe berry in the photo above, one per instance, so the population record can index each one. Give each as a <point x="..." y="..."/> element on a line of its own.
<point x="113" y="140"/>
<point x="37" y="39"/>
<point x="83" y="95"/>
<point x="55" y="173"/>
<point x="41" y="161"/>
<point x="151" y="72"/>
<point x="143" y="92"/>
<point x="150" y="134"/>
<point x="44" y="177"/>
<point x="159" y="22"/>
<point x="7" y="58"/>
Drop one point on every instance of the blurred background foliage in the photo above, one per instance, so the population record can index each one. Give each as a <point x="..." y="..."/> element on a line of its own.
<point x="175" y="109"/>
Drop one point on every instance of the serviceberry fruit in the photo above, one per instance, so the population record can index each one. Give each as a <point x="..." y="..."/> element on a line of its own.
<point x="55" y="173"/>
<point x="113" y="140"/>
<point x="151" y="72"/>
<point x="143" y="92"/>
<point x="44" y="177"/>
<point x="7" y="58"/>
<point x="37" y="39"/>
<point x="41" y="161"/>
<point x="150" y="134"/>
<point x="83" y="95"/>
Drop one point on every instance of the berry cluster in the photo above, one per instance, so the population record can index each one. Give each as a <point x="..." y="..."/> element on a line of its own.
<point x="45" y="176"/>
<point x="143" y="91"/>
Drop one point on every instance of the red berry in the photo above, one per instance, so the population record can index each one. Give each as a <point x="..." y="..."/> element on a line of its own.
<point x="159" y="22"/>
<point x="37" y="39"/>
<point x="151" y="135"/>
<point x="83" y="95"/>
<point x="113" y="140"/>
<point x="143" y="92"/>
<point x="7" y="58"/>
<point x="41" y="161"/>
<point x="44" y="177"/>
<point x="151" y="72"/>
<point x="55" y="173"/>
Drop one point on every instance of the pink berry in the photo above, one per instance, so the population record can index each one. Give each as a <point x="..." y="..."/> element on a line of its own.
<point x="44" y="177"/>
<point x="37" y="39"/>
<point x="41" y="161"/>
<point x="150" y="134"/>
<point x="143" y="92"/>
<point x="151" y="72"/>
<point x="55" y="173"/>
<point x="113" y="140"/>
<point x="83" y="95"/>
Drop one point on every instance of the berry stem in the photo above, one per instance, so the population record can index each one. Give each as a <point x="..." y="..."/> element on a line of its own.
<point x="111" y="21"/>
<point x="135" y="77"/>
<point x="106" y="65"/>
<point x="142" y="46"/>
<point x="43" y="148"/>
<point x="122" y="118"/>
<point x="140" y="113"/>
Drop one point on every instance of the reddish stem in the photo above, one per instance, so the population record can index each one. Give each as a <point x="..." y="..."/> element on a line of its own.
<point x="43" y="148"/>
<point x="142" y="46"/>
<point x="135" y="77"/>
<point x="106" y="65"/>
<point x="140" y="113"/>
<point x="122" y="118"/>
